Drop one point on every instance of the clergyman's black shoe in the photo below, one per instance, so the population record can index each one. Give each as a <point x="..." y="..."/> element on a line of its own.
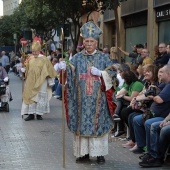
<point x="83" y="159"/>
<point x="39" y="117"/>
<point x="100" y="160"/>
<point x="30" y="117"/>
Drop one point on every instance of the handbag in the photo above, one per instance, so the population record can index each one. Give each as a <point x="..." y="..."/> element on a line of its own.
<point x="142" y="106"/>
<point x="147" y="114"/>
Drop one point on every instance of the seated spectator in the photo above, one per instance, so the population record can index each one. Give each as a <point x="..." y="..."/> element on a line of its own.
<point x="168" y="51"/>
<point x="120" y="70"/>
<point x="127" y="114"/>
<point x="70" y="53"/>
<point x="159" y="143"/>
<point x="146" y="58"/>
<point x="106" y="51"/>
<point x="163" y="57"/>
<point x="49" y="54"/>
<point x="132" y="89"/>
<point x="159" y="108"/>
<point x="113" y="55"/>
<point x="136" y="57"/>
<point x="140" y="74"/>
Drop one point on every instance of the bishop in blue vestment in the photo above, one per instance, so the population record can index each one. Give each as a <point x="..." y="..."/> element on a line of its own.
<point x="89" y="107"/>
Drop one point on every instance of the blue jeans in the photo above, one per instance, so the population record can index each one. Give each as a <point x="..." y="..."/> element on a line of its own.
<point x="164" y="140"/>
<point x="142" y="130"/>
<point x="58" y="90"/>
<point x="160" y="140"/>
<point x="55" y="85"/>
<point x="131" y="125"/>
<point x="154" y="140"/>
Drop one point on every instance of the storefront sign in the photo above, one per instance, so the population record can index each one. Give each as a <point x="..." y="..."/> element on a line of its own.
<point x="163" y="13"/>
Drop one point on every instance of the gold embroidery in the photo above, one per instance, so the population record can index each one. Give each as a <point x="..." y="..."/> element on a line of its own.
<point x="98" y="103"/>
<point x="79" y="108"/>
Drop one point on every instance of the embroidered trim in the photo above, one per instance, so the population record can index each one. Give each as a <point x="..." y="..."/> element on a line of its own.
<point x="98" y="103"/>
<point x="79" y="107"/>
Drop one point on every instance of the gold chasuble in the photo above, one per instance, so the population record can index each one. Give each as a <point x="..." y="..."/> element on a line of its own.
<point x="37" y="70"/>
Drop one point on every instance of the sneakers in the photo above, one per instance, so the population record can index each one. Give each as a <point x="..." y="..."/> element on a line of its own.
<point x="117" y="134"/>
<point x="56" y="96"/>
<point x="151" y="162"/>
<point x="138" y="151"/>
<point x="59" y="98"/>
<point x="116" y="117"/>
<point x="145" y="156"/>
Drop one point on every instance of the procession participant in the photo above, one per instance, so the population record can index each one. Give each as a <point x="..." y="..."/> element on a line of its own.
<point x="38" y="79"/>
<point x="89" y="111"/>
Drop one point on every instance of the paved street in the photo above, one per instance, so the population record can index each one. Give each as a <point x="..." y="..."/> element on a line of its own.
<point x="37" y="145"/>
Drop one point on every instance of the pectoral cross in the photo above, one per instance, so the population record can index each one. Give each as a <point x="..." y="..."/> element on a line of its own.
<point x="90" y="29"/>
<point x="89" y="81"/>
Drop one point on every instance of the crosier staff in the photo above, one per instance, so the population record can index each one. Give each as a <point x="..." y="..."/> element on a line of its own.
<point x="63" y="114"/>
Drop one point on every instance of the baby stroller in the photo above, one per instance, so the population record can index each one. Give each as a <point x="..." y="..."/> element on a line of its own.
<point x="4" y="97"/>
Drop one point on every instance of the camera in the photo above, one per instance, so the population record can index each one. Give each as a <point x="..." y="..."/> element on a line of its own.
<point x="151" y="92"/>
<point x="147" y="84"/>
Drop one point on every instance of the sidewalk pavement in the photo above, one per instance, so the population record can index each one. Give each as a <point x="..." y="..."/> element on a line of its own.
<point x="37" y="144"/>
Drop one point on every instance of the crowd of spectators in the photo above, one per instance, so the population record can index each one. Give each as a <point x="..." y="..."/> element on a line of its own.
<point x="143" y="104"/>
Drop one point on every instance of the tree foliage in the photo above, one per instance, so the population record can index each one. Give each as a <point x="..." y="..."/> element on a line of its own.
<point x="45" y="15"/>
<point x="6" y="30"/>
<point x="37" y="16"/>
<point x="71" y="9"/>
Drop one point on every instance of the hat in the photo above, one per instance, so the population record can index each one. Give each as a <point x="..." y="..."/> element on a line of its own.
<point x="139" y="46"/>
<point x="36" y="44"/>
<point x="90" y="30"/>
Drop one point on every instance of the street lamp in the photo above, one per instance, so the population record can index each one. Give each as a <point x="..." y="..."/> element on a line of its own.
<point x="15" y="41"/>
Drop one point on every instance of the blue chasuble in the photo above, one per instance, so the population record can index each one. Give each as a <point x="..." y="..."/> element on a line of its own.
<point x="87" y="109"/>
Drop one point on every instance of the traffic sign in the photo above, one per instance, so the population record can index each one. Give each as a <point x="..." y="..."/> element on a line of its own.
<point x="23" y="42"/>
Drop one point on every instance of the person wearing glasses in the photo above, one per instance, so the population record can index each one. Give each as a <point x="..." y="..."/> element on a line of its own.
<point x="163" y="56"/>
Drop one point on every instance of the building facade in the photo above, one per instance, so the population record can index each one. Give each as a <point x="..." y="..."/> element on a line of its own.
<point x="144" y="22"/>
<point x="9" y="6"/>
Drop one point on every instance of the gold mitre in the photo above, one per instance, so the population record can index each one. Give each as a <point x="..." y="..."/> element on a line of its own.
<point x="36" y="44"/>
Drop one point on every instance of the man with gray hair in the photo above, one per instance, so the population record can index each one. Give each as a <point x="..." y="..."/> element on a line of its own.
<point x="5" y="61"/>
<point x="146" y="58"/>
<point x="89" y="111"/>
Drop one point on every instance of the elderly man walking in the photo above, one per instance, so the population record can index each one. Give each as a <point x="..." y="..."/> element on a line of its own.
<point x="88" y="107"/>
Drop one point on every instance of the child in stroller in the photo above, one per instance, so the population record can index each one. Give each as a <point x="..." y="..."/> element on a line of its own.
<point x="5" y="95"/>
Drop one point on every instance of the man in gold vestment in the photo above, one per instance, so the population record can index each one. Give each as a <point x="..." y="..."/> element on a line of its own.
<point x="39" y="74"/>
